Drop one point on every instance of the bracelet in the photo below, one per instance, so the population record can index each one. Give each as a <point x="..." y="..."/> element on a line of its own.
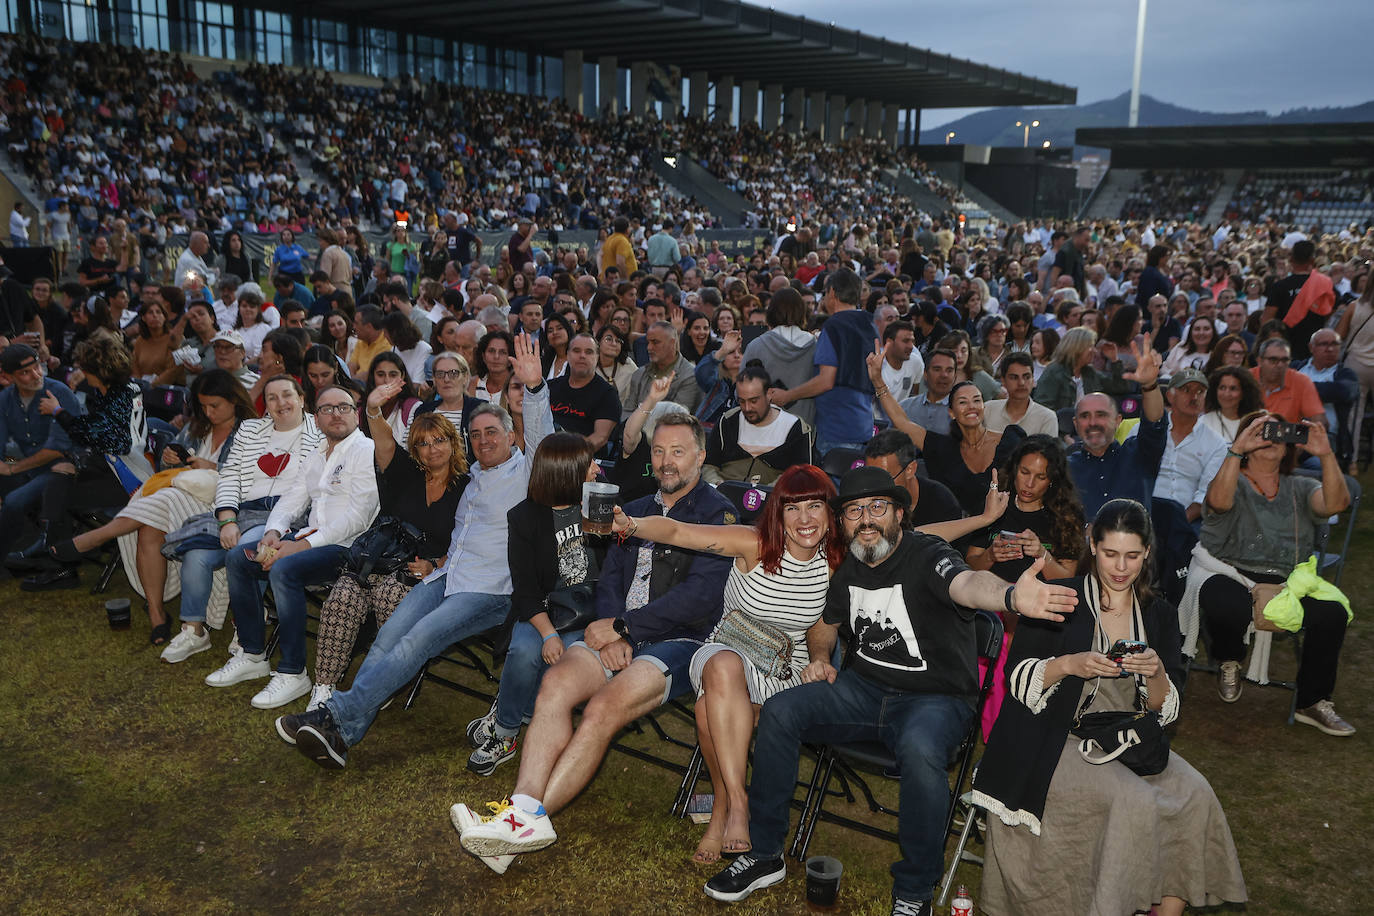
<point x="550" y="636"/>
<point x="228" y="521"/>
<point x="373" y="416"/>
<point x="880" y="392"/>
<point x="1235" y="454"/>
<point x="1006" y="598"/>
<point x="1148" y="388"/>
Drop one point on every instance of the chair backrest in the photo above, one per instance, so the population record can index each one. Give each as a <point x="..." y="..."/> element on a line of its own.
<point x="747" y="498"/>
<point x="990" y="634"/>
<point x="839" y="460"/>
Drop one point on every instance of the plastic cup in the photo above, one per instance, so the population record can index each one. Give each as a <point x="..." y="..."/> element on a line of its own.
<point x="598" y="506"/>
<point x="117" y="612"/>
<point x="823" y="881"/>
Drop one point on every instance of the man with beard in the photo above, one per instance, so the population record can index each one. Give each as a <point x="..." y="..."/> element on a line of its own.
<point x="655" y="604"/>
<point x="1105" y="469"/>
<point x="755" y="441"/>
<point x="903" y="599"/>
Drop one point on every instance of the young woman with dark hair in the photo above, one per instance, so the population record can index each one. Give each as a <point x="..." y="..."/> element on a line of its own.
<point x="1158" y="841"/>
<point x="780" y="575"/>
<point x="389" y="397"/>
<point x="493" y="367"/>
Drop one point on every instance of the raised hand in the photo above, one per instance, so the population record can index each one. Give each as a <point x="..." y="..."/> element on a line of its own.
<point x="525" y="363"/>
<point x="621" y="523"/>
<point x="1147" y="363"/>
<point x="995" y="503"/>
<point x="1251" y="437"/>
<point x="383" y="393"/>
<point x="732" y="342"/>
<point x="678" y="319"/>
<point x="1034" y="598"/>
<point x="659" y="389"/>
<point x="1318" y="443"/>
<point x="875" y="364"/>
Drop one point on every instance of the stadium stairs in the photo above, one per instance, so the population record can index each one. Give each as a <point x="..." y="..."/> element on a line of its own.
<point x="692" y="181"/>
<point x="972" y="202"/>
<point x="1230" y="180"/>
<point x="919" y="194"/>
<point x="1111" y="194"/>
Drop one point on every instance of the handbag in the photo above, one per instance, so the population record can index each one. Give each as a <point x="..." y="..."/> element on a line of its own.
<point x="1134" y="737"/>
<point x="383" y="549"/>
<point x="571" y="607"/>
<point x="767" y="646"/>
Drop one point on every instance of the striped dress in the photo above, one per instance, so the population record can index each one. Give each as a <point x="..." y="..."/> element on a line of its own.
<point x="791" y="600"/>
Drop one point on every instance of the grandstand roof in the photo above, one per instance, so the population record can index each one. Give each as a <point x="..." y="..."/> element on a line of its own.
<point x="722" y="37"/>
<point x="1235" y="145"/>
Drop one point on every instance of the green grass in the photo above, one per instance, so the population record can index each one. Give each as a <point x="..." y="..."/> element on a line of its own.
<point x="126" y="785"/>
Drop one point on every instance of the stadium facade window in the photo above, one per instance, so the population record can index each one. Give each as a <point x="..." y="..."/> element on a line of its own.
<point x="211" y="30"/>
<point x="141" y="23"/>
<point x="9" y="16"/>
<point x="431" y="58"/>
<point x="59" y="19"/>
<point x="272" y="43"/>
<point x="381" y="53"/>
<point x="551" y="73"/>
<point x="329" y="45"/>
<point x="472" y="65"/>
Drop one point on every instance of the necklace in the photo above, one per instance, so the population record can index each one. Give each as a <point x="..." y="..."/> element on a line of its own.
<point x="1264" y="491"/>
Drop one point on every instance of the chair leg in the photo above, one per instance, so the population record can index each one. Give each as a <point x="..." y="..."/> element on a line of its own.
<point x="1293" y="703"/>
<point x="970" y="815"/>
<point x="415" y="690"/>
<point x="683" y="798"/>
<point x="806" y="824"/>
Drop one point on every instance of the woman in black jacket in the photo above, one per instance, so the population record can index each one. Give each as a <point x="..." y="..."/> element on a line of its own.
<point x="551" y="562"/>
<point x="1097" y="837"/>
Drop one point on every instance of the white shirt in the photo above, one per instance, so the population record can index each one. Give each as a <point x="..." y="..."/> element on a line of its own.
<point x="340" y="488"/>
<point x="1187" y="469"/>
<point x="903" y="381"/>
<point x="1039" y="419"/>
<point x="191" y="262"/>
<point x="758" y="440"/>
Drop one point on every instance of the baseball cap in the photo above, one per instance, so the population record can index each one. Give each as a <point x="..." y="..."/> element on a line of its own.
<point x="1185" y="376"/>
<point x="229" y="337"/>
<point x="15" y="356"/>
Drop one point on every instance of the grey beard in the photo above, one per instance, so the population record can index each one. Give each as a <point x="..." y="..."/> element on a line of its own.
<point x="872" y="554"/>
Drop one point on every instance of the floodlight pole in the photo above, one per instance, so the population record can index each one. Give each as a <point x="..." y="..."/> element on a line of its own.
<point x="1134" y="119"/>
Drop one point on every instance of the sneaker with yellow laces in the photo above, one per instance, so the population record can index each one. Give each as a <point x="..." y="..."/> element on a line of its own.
<point x="463" y="817"/>
<point x="508" y="830"/>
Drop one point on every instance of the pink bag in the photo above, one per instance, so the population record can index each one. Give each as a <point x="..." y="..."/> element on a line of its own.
<point x="997" y="692"/>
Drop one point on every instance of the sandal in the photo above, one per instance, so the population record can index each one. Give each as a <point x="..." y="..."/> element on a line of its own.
<point x="162" y="632"/>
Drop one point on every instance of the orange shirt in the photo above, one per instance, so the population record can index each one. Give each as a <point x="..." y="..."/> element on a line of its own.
<point x="1297" y="398"/>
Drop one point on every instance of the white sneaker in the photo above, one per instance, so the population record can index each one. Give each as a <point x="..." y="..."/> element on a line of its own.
<point x="282" y="689"/>
<point x="185" y="644"/>
<point x="241" y="667"/>
<point x="462" y="817"/>
<point x="508" y="831"/>
<point x="318" y="695"/>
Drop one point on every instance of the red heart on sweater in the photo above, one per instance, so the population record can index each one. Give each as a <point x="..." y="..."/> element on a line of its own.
<point x="272" y="465"/>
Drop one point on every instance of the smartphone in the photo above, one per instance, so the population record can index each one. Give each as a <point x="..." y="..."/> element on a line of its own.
<point x="1284" y="433"/>
<point x="180" y="451"/>
<point x="1124" y="647"/>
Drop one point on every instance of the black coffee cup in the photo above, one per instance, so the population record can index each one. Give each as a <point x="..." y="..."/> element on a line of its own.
<point x="823" y="881"/>
<point x="117" y="612"/>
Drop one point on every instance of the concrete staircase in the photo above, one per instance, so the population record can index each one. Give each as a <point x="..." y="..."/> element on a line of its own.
<point x="1111" y="194"/>
<point x="1230" y="180"/>
<point x="692" y="181"/>
<point x="919" y="194"/>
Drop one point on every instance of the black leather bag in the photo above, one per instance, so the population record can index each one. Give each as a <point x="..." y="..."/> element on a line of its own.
<point x="572" y="607"/>
<point x="384" y="549"/>
<point x="1134" y="737"/>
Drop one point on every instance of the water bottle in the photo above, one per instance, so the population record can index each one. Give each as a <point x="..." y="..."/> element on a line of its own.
<point x="962" y="905"/>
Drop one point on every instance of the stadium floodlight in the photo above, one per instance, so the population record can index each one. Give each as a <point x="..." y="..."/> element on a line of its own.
<point x="1134" y="119"/>
<point x="1025" y="139"/>
<point x="948" y="137"/>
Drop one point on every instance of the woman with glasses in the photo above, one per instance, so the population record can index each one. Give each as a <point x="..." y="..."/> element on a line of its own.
<point x="1231" y="350"/>
<point x="613" y="361"/>
<point x="780" y="576"/>
<point x="451" y="398"/>
<point x="421" y="487"/>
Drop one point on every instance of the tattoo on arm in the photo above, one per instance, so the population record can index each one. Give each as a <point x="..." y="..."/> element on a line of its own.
<point x="713" y="548"/>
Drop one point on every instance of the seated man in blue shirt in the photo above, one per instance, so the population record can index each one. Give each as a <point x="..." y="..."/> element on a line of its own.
<point x="39" y="439"/>
<point x="1105" y="469"/>
<point x="656" y="604"/>
<point x="469" y="594"/>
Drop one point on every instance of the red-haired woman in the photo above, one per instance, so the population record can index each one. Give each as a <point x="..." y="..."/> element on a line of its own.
<point x="780" y="576"/>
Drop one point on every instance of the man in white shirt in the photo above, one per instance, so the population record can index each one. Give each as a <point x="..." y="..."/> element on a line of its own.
<point x="1017" y="409"/>
<point x="1193" y="453"/>
<point x="227" y="305"/>
<point x="192" y="262"/>
<point x="339" y="488"/>
<point x="903" y="366"/>
<point x="755" y="441"/>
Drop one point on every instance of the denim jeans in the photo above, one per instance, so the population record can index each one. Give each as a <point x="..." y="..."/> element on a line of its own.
<point x="521" y="673"/>
<point x="22" y="495"/>
<point x="825" y="445"/>
<point x="424" y="624"/>
<point x="288" y="577"/>
<point x="921" y="729"/>
<point x="197" y="577"/>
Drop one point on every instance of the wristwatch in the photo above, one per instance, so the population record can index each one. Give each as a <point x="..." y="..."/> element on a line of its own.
<point x="621" y="628"/>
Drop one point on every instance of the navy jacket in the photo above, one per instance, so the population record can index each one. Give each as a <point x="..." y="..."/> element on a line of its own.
<point x="1124" y="471"/>
<point x="686" y="588"/>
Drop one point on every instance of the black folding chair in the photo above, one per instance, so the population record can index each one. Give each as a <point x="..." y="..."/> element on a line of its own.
<point x="874" y="758"/>
<point x="839" y="460"/>
<point x="747" y="498"/>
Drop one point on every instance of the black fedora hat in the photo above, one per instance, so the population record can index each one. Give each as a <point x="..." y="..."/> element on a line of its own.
<point x="863" y="482"/>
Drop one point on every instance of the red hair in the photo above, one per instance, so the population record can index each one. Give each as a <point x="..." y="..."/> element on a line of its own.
<point x="798" y="484"/>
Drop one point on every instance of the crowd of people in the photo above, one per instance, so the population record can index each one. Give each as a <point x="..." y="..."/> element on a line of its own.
<point x="1175" y="195"/>
<point x="1124" y="438"/>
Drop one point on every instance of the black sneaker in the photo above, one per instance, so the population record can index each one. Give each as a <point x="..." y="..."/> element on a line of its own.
<point x="744" y="876"/>
<point x="52" y="580"/>
<point x="901" y="907"/>
<point x="20" y="560"/>
<point x="322" y="743"/>
<point x="287" y="726"/>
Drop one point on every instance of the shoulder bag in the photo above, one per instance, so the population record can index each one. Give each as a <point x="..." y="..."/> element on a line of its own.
<point x="767" y="646"/>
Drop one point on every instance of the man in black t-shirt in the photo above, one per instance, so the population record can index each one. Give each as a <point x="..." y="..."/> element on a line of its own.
<point x="1284" y="293"/>
<point x="97" y="273"/>
<point x="911" y="682"/>
<point x="1069" y="262"/>
<point x="582" y="402"/>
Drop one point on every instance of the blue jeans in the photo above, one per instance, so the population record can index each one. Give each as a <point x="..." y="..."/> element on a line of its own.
<point x="825" y="445"/>
<point x="22" y="494"/>
<point x="424" y="624"/>
<point x="921" y="729"/>
<point x="521" y="673"/>
<point x="288" y="577"/>
<point x="197" y="577"/>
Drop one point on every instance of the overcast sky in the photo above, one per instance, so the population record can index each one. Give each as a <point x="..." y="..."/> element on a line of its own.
<point x="1212" y="55"/>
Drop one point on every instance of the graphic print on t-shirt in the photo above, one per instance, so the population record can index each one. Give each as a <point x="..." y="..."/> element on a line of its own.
<point x="883" y="628"/>
<point x="272" y="465"/>
<point x="573" y="565"/>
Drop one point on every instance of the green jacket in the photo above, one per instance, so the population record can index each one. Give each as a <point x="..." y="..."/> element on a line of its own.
<point x="1056" y="389"/>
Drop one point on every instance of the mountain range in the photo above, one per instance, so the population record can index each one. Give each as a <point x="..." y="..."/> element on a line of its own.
<point x="997" y="126"/>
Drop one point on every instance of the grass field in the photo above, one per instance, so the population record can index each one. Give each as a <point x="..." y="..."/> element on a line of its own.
<point x="126" y="785"/>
